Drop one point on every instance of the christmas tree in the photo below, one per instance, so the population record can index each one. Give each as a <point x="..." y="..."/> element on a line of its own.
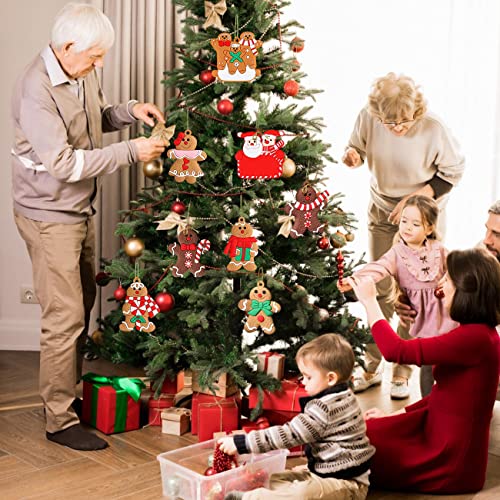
<point x="271" y="226"/>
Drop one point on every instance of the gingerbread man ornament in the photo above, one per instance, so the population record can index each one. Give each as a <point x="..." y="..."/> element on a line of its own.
<point x="186" y="156"/>
<point x="260" y="309"/>
<point x="188" y="251"/>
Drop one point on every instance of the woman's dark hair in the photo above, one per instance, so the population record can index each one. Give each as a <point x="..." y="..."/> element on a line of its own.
<point x="476" y="277"/>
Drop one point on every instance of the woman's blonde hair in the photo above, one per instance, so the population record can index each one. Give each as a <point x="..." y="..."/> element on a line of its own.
<point x="395" y="98"/>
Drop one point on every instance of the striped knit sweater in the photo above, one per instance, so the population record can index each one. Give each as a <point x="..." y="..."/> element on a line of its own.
<point x="332" y="426"/>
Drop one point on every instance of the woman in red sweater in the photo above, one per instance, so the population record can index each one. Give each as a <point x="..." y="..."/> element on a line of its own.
<point x="440" y="443"/>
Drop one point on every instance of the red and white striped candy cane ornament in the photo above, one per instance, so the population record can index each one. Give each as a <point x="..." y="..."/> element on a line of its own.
<point x="202" y="247"/>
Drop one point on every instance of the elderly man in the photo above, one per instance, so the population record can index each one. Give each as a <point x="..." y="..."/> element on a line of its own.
<point x="59" y="115"/>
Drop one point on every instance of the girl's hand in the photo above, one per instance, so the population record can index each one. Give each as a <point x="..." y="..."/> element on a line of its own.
<point x="364" y="288"/>
<point x="352" y="158"/>
<point x="344" y="287"/>
<point x="373" y="413"/>
<point x="227" y="445"/>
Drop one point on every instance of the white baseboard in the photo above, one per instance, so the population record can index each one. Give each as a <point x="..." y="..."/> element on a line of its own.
<point x="19" y="335"/>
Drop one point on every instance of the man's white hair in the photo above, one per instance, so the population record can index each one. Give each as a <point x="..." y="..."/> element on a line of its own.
<point x="495" y="208"/>
<point x="84" y="25"/>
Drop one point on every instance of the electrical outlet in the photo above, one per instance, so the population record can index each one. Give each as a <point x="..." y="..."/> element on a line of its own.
<point x="28" y="295"/>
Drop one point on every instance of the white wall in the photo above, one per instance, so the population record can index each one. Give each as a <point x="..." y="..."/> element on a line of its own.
<point x="25" y="30"/>
<point x="450" y="47"/>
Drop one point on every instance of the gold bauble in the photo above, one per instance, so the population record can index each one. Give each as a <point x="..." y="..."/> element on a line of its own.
<point x="349" y="237"/>
<point x="134" y="247"/>
<point x="153" y="168"/>
<point x="288" y="168"/>
<point x="338" y="239"/>
<point x="97" y="337"/>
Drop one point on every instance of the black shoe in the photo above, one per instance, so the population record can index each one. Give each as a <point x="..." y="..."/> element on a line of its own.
<point x="77" y="438"/>
<point x="234" y="495"/>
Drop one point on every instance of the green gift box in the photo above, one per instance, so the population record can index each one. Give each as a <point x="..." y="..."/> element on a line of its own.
<point x="111" y="404"/>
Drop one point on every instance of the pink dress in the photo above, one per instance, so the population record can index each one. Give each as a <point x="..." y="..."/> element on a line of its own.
<point x="418" y="273"/>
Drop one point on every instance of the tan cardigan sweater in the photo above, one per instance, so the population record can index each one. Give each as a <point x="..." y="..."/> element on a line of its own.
<point x="57" y="153"/>
<point x="401" y="165"/>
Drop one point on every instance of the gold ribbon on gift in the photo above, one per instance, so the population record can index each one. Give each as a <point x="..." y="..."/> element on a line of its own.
<point x="174" y="219"/>
<point x="286" y="222"/>
<point x="177" y="411"/>
<point x="213" y="13"/>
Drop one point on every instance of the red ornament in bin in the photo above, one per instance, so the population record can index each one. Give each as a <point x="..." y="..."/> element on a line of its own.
<point x="156" y="406"/>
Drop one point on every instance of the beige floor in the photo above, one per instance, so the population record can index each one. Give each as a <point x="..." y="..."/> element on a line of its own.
<point x="32" y="467"/>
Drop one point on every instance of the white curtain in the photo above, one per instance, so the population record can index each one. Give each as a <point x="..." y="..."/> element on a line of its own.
<point x="145" y="32"/>
<point x="450" y="47"/>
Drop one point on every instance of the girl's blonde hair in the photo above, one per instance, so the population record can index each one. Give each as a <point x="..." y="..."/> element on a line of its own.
<point x="396" y="98"/>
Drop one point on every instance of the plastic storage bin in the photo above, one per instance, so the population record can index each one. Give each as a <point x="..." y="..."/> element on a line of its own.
<point x="182" y="472"/>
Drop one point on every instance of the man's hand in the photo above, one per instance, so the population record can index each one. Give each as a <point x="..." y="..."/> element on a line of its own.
<point x="148" y="149"/>
<point x="373" y="413"/>
<point x="227" y="445"/>
<point x="405" y="312"/>
<point x="146" y="111"/>
<point x="352" y="158"/>
<point x="395" y="215"/>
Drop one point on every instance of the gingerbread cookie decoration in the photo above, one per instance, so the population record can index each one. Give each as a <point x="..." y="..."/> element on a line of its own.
<point x="242" y="247"/>
<point x="188" y="251"/>
<point x="236" y="59"/>
<point x="305" y="210"/>
<point x="260" y="309"/>
<point x="138" y="308"/>
<point x="186" y="156"/>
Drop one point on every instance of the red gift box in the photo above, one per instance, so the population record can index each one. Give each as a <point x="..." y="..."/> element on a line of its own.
<point x="108" y="406"/>
<point x="217" y="416"/>
<point x="279" y="417"/>
<point x="199" y="398"/>
<point x="286" y="399"/>
<point x="155" y="407"/>
<point x="171" y="386"/>
<point x="272" y="363"/>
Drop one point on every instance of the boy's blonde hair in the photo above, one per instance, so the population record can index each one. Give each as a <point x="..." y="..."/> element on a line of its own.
<point x="330" y="352"/>
<point x="396" y="98"/>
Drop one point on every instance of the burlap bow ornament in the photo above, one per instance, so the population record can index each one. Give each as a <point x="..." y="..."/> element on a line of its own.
<point x="286" y="222"/>
<point x="174" y="219"/>
<point x="213" y="13"/>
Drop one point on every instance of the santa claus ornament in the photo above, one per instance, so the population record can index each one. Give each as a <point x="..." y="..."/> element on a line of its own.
<point x="188" y="251"/>
<point x="261" y="156"/>
<point x="260" y="309"/>
<point x="236" y="59"/>
<point x="186" y="158"/>
<point x="138" y="308"/>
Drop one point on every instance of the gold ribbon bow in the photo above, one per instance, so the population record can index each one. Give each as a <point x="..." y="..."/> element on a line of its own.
<point x="213" y="13"/>
<point x="286" y="222"/>
<point x="174" y="219"/>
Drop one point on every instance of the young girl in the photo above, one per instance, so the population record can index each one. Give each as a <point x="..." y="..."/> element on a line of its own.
<point x="417" y="261"/>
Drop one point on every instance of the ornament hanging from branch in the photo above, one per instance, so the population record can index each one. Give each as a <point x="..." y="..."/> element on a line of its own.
<point x="153" y="168"/>
<point x="173" y="219"/>
<point x="134" y="247"/>
<point x="188" y="251"/>
<point x="305" y="211"/>
<point x="163" y="133"/>
<point x="242" y="247"/>
<point x="186" y="156"/>
<point x="236" y="59"/>
<point x="260" y="309"/>
<point x="214" y="13"/>
<point x="261" y="156"/>
<point x="225" y="107"/>
<point x="138" y="308"/>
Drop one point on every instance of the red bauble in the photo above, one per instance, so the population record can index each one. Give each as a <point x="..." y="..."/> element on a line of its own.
<point x="295" y="65"/>
<point x="102" y="278"/>
<point x="206" y="76"/>
<point x="165" y="301"/>
<point x="291" y="88"/>
<point x="225" y="107"/>
<point x="120" y="293"/>
<point x="297" y="44"/>
<point x="178" y="207"/>
<point x="323" y="243"/>
<point x="210" y="471"/>
<point x="439" y="293"/>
